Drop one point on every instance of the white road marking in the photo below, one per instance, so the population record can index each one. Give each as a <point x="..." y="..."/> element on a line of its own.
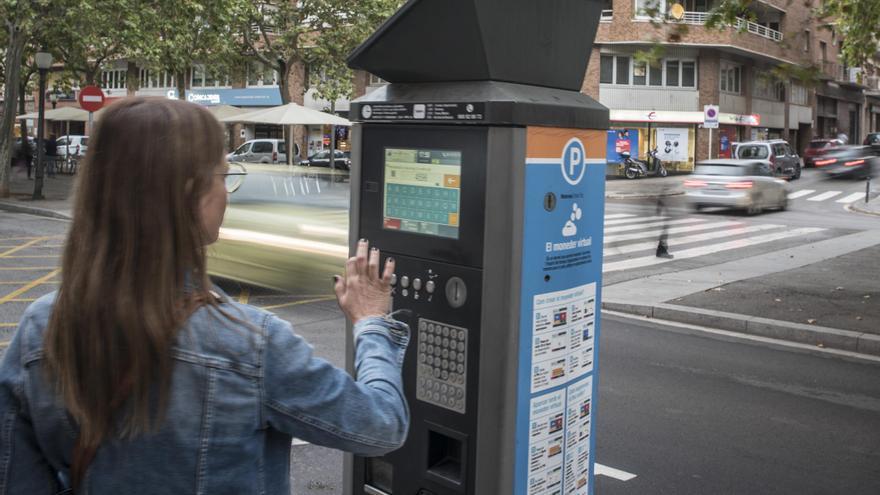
<point x="704" y="250"/>
<point x="632" y="220"/>
<point x="621" y="228"/>
<point x="674" y="230"/>
<point x="618" y="215"/>
<point x="677" y="241"/>
<point x="802" y="192"/>
<point x="824" y="196"/>
<point x="603" y="470"/>
<point x="852" y="197"/>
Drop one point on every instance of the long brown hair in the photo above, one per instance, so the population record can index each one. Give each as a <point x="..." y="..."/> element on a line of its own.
<point x="133" y="266"/>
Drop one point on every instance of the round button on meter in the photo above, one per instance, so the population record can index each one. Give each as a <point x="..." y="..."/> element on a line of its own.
<point x="456" y="292"/>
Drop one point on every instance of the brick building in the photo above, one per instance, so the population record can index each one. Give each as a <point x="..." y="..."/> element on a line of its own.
<point x="661" y="103"/>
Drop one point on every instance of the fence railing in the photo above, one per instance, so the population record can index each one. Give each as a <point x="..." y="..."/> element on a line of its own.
<point x="741" y="24"/>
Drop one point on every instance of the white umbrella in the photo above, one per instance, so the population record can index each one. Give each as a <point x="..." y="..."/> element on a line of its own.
<point x="63" y="113"/>
<point x="290" y="114"/>
<point x="223" y="111"/>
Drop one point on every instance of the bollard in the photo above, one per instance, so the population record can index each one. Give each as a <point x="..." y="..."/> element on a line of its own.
<point x="867" y="188"/>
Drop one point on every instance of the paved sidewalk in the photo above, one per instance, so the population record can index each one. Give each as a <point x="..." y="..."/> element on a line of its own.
<point x="57" y="190"/>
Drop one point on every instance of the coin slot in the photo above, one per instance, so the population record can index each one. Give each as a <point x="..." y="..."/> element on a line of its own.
<point x="446" y="456"/>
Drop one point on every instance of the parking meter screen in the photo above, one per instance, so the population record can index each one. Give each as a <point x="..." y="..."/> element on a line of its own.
<point x="422" y="191"/>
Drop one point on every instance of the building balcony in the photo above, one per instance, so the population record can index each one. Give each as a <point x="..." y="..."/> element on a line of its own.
<point x="700" y="18"/>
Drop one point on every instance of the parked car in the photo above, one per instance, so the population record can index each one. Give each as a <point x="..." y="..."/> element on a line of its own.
<point x="850" y="162"/>
<point x="818" y="148"/>
<point x="736" y="183"/>
<point x="873" y="140"/>
<point x="322" y="159"/>
<point x="783" y="161"/>
<point x="262" y="151"/>
<point x="73" y="145"/>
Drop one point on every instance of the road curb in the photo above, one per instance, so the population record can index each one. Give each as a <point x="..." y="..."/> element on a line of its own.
<point x="866" y="211"/>
<point x="846" y="340"/>
<point x="641" y="196"/>
<point x="32" y="210"/>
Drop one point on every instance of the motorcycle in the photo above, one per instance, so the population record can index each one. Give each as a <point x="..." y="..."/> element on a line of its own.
<point x="634" y="168"/>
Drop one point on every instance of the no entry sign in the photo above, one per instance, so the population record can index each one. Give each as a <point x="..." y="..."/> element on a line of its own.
<point x="91" y="98"/>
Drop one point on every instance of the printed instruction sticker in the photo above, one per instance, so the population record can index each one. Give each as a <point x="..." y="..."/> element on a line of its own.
<point x="546" y="443"/>
<point x="578" y="416"/>
<point x="563" y="336"/>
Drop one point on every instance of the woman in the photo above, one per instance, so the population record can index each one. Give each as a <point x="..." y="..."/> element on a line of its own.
<point x="138" y="376"/>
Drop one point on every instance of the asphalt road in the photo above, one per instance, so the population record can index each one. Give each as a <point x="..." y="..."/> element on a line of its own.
<point x="688" y="414"/>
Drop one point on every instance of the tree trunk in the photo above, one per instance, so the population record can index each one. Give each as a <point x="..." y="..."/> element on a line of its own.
<point x="180" y="80"/>
<point x="22" y="109"/>
<point x="14" y="50"/>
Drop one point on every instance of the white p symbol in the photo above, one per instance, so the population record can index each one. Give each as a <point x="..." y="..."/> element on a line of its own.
<point x="574" y="159"/>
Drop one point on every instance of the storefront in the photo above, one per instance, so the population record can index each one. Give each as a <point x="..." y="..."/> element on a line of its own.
<point x="674" y="134"/>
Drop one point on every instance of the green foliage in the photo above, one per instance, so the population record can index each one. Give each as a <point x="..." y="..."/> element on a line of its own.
<point x="317" y="33"/>
<point x="858" y="24"/>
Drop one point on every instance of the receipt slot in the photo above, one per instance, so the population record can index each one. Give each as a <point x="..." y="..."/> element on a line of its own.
<point x="480" y="168"/>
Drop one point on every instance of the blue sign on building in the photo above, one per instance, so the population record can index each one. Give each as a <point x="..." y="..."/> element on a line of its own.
<point x="241" y="97"/>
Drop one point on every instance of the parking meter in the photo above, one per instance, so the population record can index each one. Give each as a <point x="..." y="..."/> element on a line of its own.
<point x="480" y="168"/>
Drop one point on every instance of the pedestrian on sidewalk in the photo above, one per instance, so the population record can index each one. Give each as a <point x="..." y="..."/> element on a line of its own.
<point x="139" y="376"/>
<point x="662" y="211"/>
<point x="51" y="155"/>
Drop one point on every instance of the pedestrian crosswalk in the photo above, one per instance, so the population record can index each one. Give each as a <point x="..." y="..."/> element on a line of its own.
<point x="631" y="240"/>
<point x="819" y="196"/>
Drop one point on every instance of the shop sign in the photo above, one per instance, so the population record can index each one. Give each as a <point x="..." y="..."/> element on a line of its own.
<point x="736" y="119"/>
<point x="656" y="116"/>
<point x="248" y="97"/>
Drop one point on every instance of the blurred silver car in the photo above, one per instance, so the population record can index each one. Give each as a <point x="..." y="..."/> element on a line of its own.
<point x="735" y="183"/>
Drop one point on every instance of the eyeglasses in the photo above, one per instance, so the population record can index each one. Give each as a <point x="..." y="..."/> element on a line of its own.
<point x="234" y="177"/>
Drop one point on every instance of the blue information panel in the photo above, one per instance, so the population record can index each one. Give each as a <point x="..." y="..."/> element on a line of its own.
<point x="560" y="300"/>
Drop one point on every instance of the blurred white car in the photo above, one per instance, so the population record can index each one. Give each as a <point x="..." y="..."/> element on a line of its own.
<point x="73" y="145"/>
<point x="732" y="183"/>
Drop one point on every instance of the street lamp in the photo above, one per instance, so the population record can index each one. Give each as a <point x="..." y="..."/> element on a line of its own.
<point x="44" y="63"/>
<point x="53" y="97"/>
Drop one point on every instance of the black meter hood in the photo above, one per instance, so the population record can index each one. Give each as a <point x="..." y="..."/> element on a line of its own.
<point x="537" y="43"/>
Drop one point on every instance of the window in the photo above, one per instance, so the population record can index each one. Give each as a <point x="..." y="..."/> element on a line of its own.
<point x="113" y="79"/>
<point x="688" y="74"/>
<point x="779" y="150"/>
<point x="618" y="70"/>
<point x="672" y="72"/>
<point x="622" y="72"/>
<point x="377" y="81"/>
<point x="262" y="147"/>
<point x="606" y="69"/>
<point x="823" y="51"/>
<point x="155" y="79"/>
<point x="203" y="78"/>
<point x="646" y="9"/>
<point x="242" y="149"/>
<point x="752" y="151"/>
<point x="806" y="40"/>
<point x="768" y="89"/>
<point x="259" y="74"/>
<point x="799" y="94"/>
<point x="61" y="142"/>
<point x="607" y="10"/>
<point x="656" y="73"/>
<point x="640" y="73"/>
<point x="730" y="77"/>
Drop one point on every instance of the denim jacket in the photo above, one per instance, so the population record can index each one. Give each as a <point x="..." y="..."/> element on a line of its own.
<point x="238" y="395"/>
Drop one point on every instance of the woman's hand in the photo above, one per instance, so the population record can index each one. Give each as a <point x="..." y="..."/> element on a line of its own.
<point x="362" y="292"/>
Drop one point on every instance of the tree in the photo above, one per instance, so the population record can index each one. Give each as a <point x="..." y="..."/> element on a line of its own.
<point x="858" y="24"/>
<point x="19" y="19"/>
<point x="318" y="34"/>
<point x="175" y="34"/>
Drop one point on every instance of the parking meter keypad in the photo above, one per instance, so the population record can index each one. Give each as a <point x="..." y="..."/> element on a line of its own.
<point x="442" y="369"/>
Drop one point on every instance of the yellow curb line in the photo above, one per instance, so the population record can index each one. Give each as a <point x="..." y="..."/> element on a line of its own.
<point x="29" y="238"/>
<point x="25" y="281"/>
<point x="8" y="325"/>
<point x="28" y="286"/>
<point x="296" y="303"/>
<point x="23" y="246"/>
